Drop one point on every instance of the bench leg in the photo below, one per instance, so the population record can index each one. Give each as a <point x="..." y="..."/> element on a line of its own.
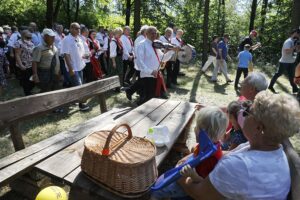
<point x="102" y="102"/>
<point x="16" y="137"/>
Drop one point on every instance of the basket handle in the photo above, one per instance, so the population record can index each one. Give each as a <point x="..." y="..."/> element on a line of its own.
<point x="105" y="150"/>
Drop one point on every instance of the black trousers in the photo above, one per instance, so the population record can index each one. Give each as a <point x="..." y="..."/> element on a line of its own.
<point x="25" y="82"/>
<point x="128" y="70"/>
<point x="169" y="69"/>
<point x="88" y="73"/>
<point x="137" y="85"/>
<point x="103" y="62"/>
<point x="239" y="72"/>
<point x="176" y="69"/>
<point x="290" y="68"/>
<point x="148" y="92"/>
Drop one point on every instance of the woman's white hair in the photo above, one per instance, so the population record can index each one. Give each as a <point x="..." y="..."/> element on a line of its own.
<point x="213" y="120"/>
<point x="257" y="80"/>
<point x="279" y="114"/>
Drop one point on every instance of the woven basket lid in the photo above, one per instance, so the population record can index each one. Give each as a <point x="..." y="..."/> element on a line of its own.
<point x="120" y="147"/>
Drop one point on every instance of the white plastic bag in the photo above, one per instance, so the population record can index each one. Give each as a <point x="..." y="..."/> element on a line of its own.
<point x="159" y="135"/>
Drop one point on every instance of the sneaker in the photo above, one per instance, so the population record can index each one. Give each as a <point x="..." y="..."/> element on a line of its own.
<point x="272" y="90"/>
<point x="83" y="107"/>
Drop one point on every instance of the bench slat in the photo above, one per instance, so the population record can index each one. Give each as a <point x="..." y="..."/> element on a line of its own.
<point x="27" y="107"/>
<point x="22" y="166"/>
<point x="59" y="164"/>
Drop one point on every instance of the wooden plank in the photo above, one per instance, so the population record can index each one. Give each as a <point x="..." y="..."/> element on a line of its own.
<point x="16" y="137"/>
<point x="27" y="107"/>
<point x="294" y="163"/>
<point x="102" y="103"/>
<point x="176" y="122"/>
<point x="65" y="161"/>
<point x="21" y="167"/>
<point x="17" y="156"/>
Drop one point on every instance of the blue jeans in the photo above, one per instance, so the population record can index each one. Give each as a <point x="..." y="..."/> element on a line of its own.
<point x="77" y="79"/>
<point x="173" y="191"/>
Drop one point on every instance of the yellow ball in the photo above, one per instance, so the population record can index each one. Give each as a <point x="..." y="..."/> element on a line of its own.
<point x="52" y="193"/>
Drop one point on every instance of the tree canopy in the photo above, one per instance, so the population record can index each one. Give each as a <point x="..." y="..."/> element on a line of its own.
<point x="273" y="19"/>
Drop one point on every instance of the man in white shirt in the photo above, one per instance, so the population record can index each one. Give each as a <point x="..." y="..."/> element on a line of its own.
<point x="135" y="87"/>
<point x="128" y="55"/>
<point x="36" y="35"/>
<point x="74" y="53"/>
<point x="169" y="66"/>
<point x="287" y="61"/>
<point x="179" y="43"/>
<point x="148" y="60"/>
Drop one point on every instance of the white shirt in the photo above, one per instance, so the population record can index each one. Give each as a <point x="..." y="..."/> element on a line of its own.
<point x="57" y="42"/>
<point x="146" y="58"/>
<point x="100" y="38"/>
<point x="287" y="57"/>
<point x="176" y="42"/>
<point x="113" y="48"/>
<point x="137" y="42"/>
<point x="164" y="39"/>
<point x="127" y="47"/>
<point x="75" y="48"/>
<point x="86" y="48"/>
<point x="250" y="174"/>
<point x="13" y="38"/>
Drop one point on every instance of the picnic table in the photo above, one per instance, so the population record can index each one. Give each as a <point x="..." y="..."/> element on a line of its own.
<point x="64" y="166"/>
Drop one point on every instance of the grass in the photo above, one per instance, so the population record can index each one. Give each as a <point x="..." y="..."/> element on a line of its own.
<point x="194" y="87"/>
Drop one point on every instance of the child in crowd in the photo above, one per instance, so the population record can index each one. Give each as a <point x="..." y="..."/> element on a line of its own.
<point x="214" y="121"/>
<point x="234" y="136"/>
<point x="245" y="59"/>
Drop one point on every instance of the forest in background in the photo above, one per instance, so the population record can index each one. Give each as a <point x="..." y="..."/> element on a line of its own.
<point x="200" y="19"/>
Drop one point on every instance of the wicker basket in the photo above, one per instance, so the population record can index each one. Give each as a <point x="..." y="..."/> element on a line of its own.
<point x="124" y="164"/>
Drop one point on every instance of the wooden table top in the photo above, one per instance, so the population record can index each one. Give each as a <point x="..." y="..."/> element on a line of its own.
<point x="65" y="164"/>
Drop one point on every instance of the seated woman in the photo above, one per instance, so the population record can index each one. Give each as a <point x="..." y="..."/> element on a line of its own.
<point x="234" y="137"/>
<point x="259" y="168"/>
<point x="214" y="121"/>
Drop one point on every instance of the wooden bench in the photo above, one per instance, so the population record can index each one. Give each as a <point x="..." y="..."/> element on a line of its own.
<point x="14" y="111"/>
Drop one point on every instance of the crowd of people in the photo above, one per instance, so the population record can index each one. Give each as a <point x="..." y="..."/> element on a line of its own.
<point x="55" y="58"/>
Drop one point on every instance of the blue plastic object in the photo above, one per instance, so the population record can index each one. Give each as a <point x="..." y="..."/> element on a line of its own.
<point x="207" y="148"/>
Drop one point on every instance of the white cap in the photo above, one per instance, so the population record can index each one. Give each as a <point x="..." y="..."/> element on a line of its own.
<point x="1" y="30"/>
<point x="49" y="32"/>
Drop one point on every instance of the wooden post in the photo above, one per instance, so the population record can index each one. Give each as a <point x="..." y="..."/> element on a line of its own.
<point x="16" y="137"/>
<point x="102" y="102"/>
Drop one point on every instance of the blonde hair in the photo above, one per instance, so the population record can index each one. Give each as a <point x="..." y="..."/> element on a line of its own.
<point x="168" y="30"/>
<point x="279" y="114"/>
<point x="118" y="31"/>
<point x="213" y="120"/>
<point x="179" y="30"/>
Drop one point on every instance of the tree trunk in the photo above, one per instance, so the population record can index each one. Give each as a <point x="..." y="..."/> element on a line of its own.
<point x="296" y="14"/>
<point x="77" y="11"/>
<point x="127" y="12"/>
<point x="66" y="5"/>
<point x="205" y="31"/>
<point x="219" y="17"/>
<point x="263" y="15"/>
<point x="137" y="16"/>
<point x="56" y="10"/>
<point x="49" y="14"/>
<point x="253" y="14"/>
<point x="223" y="23"/>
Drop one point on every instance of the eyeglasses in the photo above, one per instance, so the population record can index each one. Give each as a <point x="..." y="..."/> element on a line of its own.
<point x="77" y="28"/>
<point x="246" y="110"/>
<point x="28" y="38"/>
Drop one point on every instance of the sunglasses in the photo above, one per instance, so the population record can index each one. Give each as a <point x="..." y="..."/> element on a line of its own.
<point x="28" y="38"/>
<point x="246" y="110"/>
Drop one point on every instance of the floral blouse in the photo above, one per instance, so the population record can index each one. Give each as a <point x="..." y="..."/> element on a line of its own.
<point x="26" y="52"/>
